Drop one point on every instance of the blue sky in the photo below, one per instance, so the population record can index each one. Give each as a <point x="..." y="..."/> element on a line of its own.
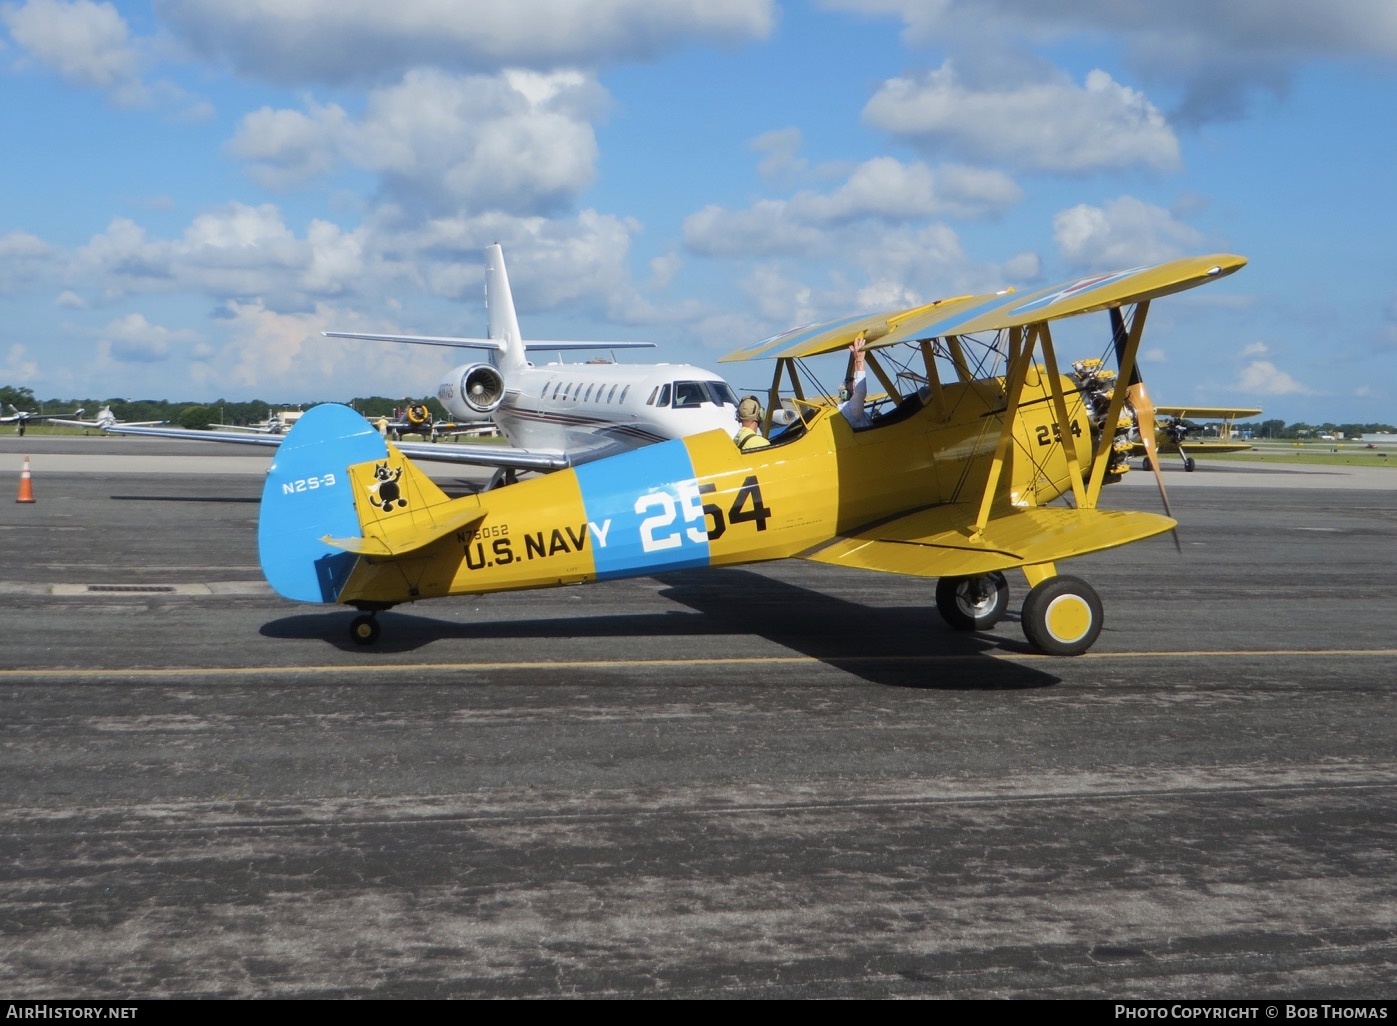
<point x="191" y="192"/>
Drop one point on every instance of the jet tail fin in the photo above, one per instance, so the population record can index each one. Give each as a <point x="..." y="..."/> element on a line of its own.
<point x="499" y="307"/>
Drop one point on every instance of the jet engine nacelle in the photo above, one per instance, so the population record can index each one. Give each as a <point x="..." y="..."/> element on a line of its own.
<point x="471" y="392"/>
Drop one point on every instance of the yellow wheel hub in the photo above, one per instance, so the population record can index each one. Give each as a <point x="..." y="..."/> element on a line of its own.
<point x="1068" y="618"/>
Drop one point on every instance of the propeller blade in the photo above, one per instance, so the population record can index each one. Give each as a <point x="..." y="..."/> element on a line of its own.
<point x="1140" y="402"/>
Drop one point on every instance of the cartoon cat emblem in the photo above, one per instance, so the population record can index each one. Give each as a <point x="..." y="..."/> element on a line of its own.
<point x="384" y="493"/>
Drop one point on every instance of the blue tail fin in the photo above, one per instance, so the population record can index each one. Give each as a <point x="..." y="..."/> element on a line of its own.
<point x="308" y="497"/>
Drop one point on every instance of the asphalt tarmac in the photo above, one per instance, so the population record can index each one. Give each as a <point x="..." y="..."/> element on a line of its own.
<point x="777" y="781"/>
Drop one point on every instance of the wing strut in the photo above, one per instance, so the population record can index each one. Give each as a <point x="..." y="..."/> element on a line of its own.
<point x="1125" y="355"/>
<point x="1069" y="448"/>
<point x="1018" y="362"/>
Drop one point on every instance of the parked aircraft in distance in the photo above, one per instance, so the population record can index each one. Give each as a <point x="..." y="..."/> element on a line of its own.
<point x="951" y="478"/>
<point x="23" y="418"/>
<point x="1175" y="424"/>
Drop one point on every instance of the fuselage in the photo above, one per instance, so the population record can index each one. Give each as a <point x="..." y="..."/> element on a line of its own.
<point x="601" y="408"/>
<point x="699" y="501"/>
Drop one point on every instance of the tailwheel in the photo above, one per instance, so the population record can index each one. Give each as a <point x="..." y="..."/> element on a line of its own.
<point x="973" y="603"/>
<point x="1062" y="616"/>
<point x="364" y="630"/>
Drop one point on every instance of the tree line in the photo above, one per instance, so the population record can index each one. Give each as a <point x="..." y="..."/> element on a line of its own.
<point x="1301" y="430"/>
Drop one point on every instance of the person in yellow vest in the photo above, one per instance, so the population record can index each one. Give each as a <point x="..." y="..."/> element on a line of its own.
<point x="749" y="415"/>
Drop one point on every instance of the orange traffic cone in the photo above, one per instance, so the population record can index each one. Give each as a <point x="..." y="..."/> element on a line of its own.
<point x="26" y="487"/>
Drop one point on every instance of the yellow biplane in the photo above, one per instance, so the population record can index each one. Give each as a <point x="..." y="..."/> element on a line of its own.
<point x="1173" y="426"/>
<point x="982" y="458"/>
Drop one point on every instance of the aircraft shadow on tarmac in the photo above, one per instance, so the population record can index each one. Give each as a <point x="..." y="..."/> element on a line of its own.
<point x="894" y="646"/>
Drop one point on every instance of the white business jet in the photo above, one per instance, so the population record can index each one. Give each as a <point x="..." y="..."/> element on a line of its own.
<point x="555" y="415"/>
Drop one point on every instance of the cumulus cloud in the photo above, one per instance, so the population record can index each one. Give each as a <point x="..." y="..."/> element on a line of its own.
<point x="883" y="190"/>
<point x="18" y="367"/>
<point x="25" y="260"/>
<point x="780" y="151"/>
<point x="1262" y="377"/>
<point x="518" y="141"/>
<point x="134" y="339"/>
<point x="85" y="43"/>
<point x="336" y="41"/>
<point x="1051" y="125"/>
<point x="1123" y="233"/>
<point x="237" y="250"/>
<point x="1214" y="55"/>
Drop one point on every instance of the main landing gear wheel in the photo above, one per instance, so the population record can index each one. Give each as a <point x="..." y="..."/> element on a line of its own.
<point x="364" y="630"/>
<point x="1190" y="464"/>
<point x="1144" y="463"/>
<point x="973" y="603"/>
<point x="1062" y="616"/>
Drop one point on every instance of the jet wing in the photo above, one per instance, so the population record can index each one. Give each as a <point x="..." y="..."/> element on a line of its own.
<point x="496" y="345"/>
<point x="936" y="542"/>
<point x="968" y="314"/>
<point x="472" y="455"/>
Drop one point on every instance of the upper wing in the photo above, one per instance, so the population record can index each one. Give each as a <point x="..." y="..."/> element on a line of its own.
<point x="936" y="542"/>
<point x="1205" y="412"/>
<point x="472" y="455"/>
<point x="968" y="314"/>
<point x="485" y="343"/>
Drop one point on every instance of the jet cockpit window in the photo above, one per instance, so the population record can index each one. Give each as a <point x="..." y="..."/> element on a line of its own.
<point x="623" y="394"/>
<point x="663" y="400"/>
<point x="653" y="392"/>
<point x="690" y="394"/>
<point x="721" y="393"/>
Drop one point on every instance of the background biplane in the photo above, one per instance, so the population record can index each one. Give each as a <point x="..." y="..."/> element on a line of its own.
<point x="952" y="478"/>
<point x="1177" y="430"/>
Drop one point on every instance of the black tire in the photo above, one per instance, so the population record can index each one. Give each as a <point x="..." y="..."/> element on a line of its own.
<point x="1145" y="463"/>
<point x="973" y="603"/>
<point x="1062" y="616"/>
<point x="1190" y="464"/>
<point x="364" y="630"/>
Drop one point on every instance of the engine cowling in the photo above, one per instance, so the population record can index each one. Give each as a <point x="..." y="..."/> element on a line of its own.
<point x="475" y="390"/>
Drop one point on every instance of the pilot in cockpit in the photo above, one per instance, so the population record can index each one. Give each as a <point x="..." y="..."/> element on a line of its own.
<point x="856" y="387"/>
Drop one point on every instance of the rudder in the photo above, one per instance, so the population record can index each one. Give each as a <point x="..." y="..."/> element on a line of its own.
<point x="308" y="497"/>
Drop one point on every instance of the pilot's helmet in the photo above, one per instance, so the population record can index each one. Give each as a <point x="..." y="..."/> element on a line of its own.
<point x="749" y="409"/>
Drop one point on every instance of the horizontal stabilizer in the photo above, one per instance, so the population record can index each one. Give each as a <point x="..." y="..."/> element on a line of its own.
<point x="936" y="542"/>
<point x="401" y="509"/>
